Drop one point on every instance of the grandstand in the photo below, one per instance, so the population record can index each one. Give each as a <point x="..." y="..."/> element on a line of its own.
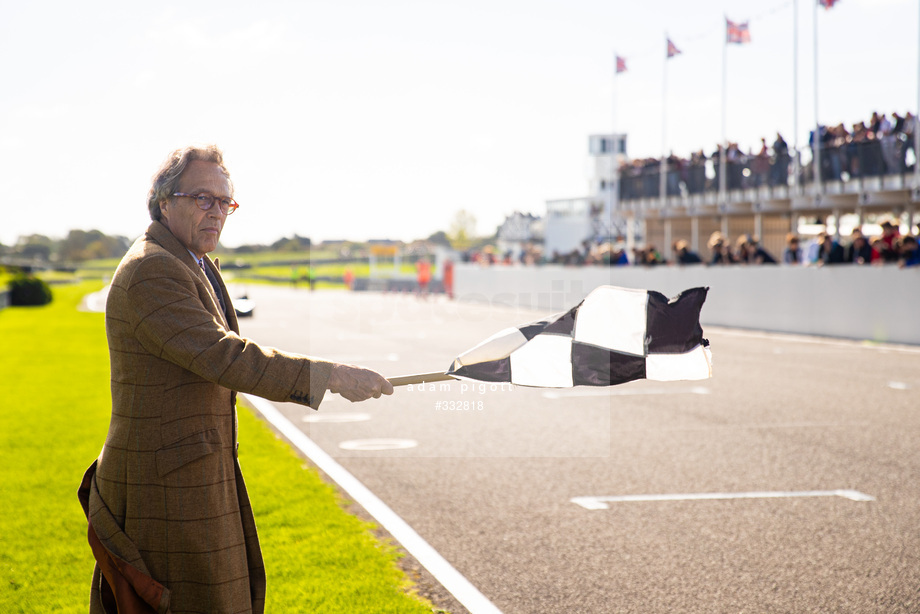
<point x="766" y="195"/>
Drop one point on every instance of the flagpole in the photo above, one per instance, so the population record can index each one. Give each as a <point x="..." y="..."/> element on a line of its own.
<point x="816" y="140"/>
<point x="795" y="99"/>
<point x="614" y="109"/>
<point x="614" y="170"/>
<point x="420" y="378"/>
<point x="663" y="165"/>
<point x="723" y="168"/>
<point x="630" y="221"/>
<point x="917" y="128"/>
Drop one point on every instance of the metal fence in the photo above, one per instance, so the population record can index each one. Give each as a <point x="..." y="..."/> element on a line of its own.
<point x="845" y="162"/>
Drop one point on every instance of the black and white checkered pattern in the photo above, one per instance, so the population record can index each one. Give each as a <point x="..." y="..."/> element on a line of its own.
<point x="614" y="335"/>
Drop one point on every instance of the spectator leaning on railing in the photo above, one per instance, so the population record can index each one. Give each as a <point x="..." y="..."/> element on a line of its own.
<point x="910" y="254"/>
<point x="793" y="253"/>
<point x="829" y="250"/>
<point x="889" y="241"/>
<point x="684" y="255"/>
<point x="858" y="251"/>
<point x="721" y="252"/>
<point x="759" y="255"/>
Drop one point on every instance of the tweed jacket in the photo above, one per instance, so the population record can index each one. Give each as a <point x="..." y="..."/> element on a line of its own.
<point x="170" y="522"/>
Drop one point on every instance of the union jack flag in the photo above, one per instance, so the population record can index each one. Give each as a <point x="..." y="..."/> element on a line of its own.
<point x="737" y="33"/>
<point x="828" y="4"/>
<point x="672" y="49"/>
<point x="621" y="64"/>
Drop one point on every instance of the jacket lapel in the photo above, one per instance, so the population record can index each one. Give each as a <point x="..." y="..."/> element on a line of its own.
<point x="230" y="319"/>
<point x="161" y="234"/>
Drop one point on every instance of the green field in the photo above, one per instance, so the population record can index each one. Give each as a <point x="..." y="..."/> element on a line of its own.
<point x="333" y="270"/>
<point x="53" y="420"/>
<point x="265" y="265"/>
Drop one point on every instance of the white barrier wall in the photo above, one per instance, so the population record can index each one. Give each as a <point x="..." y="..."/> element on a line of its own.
<point x="854" y="302"/>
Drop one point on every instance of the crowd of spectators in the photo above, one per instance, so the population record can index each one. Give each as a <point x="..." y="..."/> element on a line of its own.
<point x="867" y="150"/>
<point x="747" y="250"/>
<point x="888" y="247"/>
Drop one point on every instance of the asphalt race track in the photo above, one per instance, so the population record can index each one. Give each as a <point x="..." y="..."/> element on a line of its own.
<point x="793" y="472"/>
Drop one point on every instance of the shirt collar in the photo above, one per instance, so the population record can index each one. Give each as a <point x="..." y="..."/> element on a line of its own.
<point x="200" y="261"/>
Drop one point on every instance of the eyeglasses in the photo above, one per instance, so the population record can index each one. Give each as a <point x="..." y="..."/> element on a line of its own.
<point x="205" y="201"/>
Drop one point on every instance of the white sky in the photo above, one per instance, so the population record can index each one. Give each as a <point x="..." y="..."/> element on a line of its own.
<point x="365" y="119"/>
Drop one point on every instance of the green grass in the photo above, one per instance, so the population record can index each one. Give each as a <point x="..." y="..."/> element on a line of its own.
<point x="282" y="274"/>
<point x="96" y="269"/>
<point x="52" y="424"/>
<point x="261" y="265"/>
<point x="53" y="420"/>
<point x="257" y="257"/>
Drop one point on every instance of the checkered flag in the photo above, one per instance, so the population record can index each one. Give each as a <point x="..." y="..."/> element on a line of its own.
<point x="614" y="335"/>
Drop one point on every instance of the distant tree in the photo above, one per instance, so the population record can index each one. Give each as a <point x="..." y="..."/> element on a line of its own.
<point x="35" y="251"/>
<point x="249" y="249"/>
<point x="295" y="244"/>
<point x="73" y="247"/>
<point x="80" y="245"/>
<point x="462" y="229"/>
<point x="35" y="247"/>
<point x="439" y="238"/>
<point x="31" y="239"/>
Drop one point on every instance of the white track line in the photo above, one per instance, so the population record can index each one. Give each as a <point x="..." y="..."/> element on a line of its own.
<point x="600" y="503"/>
<point x="444" y="572"/>
<point x="865" y="344"/>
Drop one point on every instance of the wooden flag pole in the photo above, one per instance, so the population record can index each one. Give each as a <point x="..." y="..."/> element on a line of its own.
<point x="420" y="378"/>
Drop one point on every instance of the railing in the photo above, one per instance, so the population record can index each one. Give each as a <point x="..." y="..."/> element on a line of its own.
<point x="891" y="155"/>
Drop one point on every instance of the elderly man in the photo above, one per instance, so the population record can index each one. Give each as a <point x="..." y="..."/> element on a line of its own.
<point x="170" y="523"/>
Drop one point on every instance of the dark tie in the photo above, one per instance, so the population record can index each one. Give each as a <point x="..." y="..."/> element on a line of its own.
<point x="214" y="285"/>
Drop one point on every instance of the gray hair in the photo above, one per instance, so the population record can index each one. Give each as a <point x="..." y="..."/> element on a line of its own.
<point x="166" y="179"/>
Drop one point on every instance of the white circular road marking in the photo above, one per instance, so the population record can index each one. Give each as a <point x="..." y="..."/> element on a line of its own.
<point x="367" y="445"/>
<point x="336" y="418"/>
